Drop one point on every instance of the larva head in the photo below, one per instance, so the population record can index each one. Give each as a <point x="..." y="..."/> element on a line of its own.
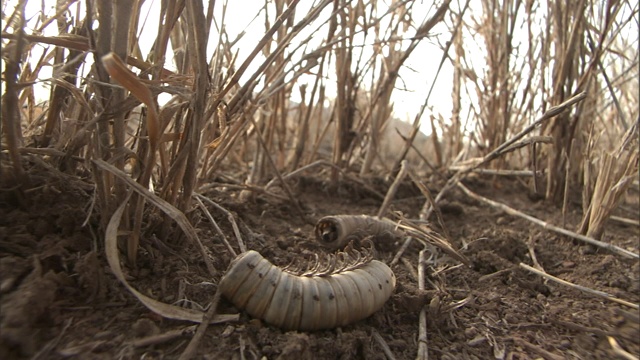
<point x="328" y="232"/>
<point x="335" y="232"/>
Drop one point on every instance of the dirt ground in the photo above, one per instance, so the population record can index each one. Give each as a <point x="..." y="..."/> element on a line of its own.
<point x="60" y="299"/>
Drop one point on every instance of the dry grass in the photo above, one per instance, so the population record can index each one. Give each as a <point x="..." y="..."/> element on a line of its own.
<point x="543" y="91"/>
<point x="223" y="118"/>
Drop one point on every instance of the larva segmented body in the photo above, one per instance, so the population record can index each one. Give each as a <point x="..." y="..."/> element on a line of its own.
<point x="335" y="232"/>
<point x="310" y="301"/>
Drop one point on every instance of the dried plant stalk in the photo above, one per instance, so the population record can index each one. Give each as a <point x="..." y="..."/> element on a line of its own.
<point x="10" y="112"/>
<point x="361" y="49"/>
<point x="116" y="68"/>
<point x="617" y="172"/>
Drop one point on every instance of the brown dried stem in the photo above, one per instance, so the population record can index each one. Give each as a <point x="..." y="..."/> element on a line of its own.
<point x="514" y="212"/>
<point x="461" y="174"/>
<point x="584" y="289"/>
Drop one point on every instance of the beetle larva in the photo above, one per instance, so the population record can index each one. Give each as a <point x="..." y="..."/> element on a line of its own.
<point x="335" y="232"/>
<point x="337" y="296"/>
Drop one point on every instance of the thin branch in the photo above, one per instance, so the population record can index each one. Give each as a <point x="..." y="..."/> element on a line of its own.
<point x="584" y="289"/>
<point x="514" y="212"/>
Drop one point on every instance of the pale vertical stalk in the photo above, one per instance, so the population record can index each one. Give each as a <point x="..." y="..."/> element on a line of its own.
<point x="423" y="345"/>
<point x="303" y="124"/>
<point x="198" y="46"/>
<point x="395" y="62"/>
<point x="10" y="112"/>
<point x="567" y="35"/>
<point x="344" y="109"/>
<point x="455" y="136"/>
<point x="123" y="12"/>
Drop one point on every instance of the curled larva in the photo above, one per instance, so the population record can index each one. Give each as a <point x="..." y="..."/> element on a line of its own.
<point x="335" y="232"/>
<point x="313" y="301"/>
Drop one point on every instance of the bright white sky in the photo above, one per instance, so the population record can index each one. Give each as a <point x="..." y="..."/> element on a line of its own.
<point x="248" y="16"/>
<point x="416" y="76"/>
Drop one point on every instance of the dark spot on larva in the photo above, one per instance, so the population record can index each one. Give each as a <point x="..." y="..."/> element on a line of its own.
<point x="380" y="286"/>
<point x="273" y="283"/>
<point x="251" y="266"/>
<point x="260" y="275"/>
<point x="331" y="296"/>
<point x="296" y="294"/>
<point x="316" y="297"/>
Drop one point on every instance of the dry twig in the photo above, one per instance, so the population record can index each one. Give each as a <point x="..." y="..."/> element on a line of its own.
<point x="514" y="212"/>
<point x="383" y="344"/>
<point x="584" y="289"/>
<point x="461" y="174"/>
<point x="191" y="349"/>
<point x="423" y="345"/>
<point x="231" y="219"/>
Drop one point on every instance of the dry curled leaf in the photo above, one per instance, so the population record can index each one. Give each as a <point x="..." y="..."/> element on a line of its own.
<point x="118" y="70"/>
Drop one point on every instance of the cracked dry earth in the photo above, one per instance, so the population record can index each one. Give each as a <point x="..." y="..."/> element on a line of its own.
<point x="59" y="298"/>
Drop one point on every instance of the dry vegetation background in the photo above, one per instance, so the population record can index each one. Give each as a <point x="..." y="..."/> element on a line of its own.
<point x="250" y="131"/>
<point x="544" y="89"/>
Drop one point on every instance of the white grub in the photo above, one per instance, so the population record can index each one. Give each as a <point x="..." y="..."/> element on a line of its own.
<point x="310" y="301"/>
